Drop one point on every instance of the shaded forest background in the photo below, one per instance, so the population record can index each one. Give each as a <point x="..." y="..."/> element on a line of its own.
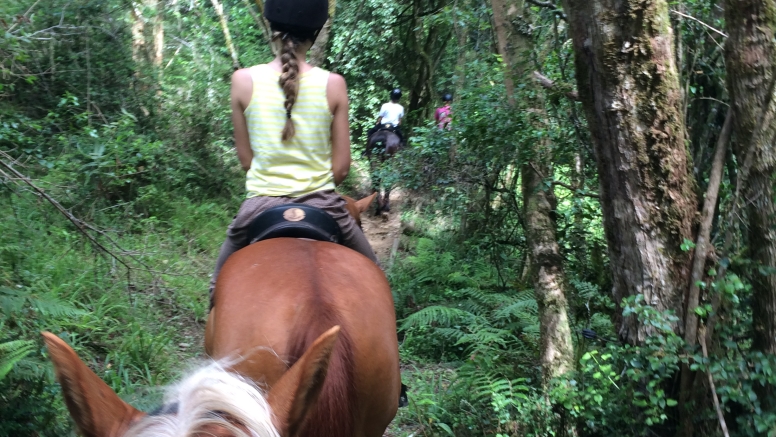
<point x="590" y="250"/>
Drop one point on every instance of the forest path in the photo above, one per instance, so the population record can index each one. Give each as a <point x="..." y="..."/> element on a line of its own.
<point x="383" y="231"/>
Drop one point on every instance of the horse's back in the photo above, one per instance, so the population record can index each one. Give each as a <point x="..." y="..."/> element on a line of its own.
<point x="277" y="296"/>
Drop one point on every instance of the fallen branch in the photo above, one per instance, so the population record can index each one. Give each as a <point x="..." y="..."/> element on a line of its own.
<point x="79" y="224"/>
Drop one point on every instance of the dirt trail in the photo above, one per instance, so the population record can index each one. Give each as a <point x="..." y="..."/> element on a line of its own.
<point x="383" y="231"/>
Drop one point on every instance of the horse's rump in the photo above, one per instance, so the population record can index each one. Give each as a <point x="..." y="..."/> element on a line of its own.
<point x="281" y="294"/>
<point x="388" y="139"/>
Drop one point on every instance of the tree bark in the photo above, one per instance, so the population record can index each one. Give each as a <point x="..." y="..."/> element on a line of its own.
<point x="629" y="87"/>
<point x="318" y="50"/>
<point x="750" y="57"/>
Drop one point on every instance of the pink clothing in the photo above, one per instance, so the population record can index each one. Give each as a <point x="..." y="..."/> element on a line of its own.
<point x="442" y="116"/>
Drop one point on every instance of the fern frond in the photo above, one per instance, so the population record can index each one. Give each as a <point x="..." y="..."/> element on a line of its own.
<point x="585" y="290"/>
<point x="51" y="306"/>
<point x="11" y="301"/>
<point x="486" y="335"/>
<point x="522" y="307"/>
<point x="11" y="352"/>
<point x="438" y="315"/>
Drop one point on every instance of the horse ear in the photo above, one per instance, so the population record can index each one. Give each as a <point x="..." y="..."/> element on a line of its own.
<point x="363" y="204"/>
<point x="95" y="408"/>
<point x="292" y="397"/>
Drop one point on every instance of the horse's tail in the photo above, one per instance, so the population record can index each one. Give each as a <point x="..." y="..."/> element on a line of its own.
<point x="334" y="412"/>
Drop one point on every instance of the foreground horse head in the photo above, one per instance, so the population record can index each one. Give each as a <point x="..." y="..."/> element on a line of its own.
<point x="212" y="402"/>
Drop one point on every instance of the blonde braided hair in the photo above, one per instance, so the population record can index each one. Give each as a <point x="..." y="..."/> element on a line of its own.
<point x="289" y="79"/>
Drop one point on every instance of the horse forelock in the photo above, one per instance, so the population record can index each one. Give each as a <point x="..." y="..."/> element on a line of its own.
<point x="334" y="411"/>
<point x="212" y="402"/>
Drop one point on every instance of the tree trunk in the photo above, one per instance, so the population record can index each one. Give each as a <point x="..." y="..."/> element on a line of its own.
<point x="158" y="55"/>
<point x="138" y="37"/>
<point x="629" y="87"/>
<point x="557" y="350"/>
<point x="318" y="50"/>
<point x="259" y="18"/>
<point x="500" y="25"/>
<point x="750" y="56"/>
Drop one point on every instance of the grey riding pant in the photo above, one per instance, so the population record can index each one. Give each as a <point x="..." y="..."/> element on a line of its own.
<point x="327" y="200"/>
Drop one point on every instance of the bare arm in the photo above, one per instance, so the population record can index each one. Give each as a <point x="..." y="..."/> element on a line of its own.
<point x="242" y="90"/>
<point x="337" y="95"/>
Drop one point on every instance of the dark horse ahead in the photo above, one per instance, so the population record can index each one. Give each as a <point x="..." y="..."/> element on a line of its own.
<point x="382" y="145"/>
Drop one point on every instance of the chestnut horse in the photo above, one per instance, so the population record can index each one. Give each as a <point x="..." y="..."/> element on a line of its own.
<point x="313" y="322"/>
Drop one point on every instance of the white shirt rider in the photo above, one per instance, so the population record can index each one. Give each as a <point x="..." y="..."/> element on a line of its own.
<point x="391" y="113"/>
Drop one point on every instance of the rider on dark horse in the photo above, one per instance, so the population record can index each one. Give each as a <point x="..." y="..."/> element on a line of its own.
<point x="390" y="116"/>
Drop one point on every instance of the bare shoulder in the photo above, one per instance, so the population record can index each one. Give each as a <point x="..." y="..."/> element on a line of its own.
<point x="337" y="84"/>
<point x="241" y="76"/>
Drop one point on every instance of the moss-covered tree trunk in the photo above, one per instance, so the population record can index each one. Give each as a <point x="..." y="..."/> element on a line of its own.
<point x="557" y="349"/>
<point x="629" y="86"/>
<point x="750" y="56"/>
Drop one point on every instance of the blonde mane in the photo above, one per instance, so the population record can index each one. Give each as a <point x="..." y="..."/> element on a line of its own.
<point x="211" y="397"/>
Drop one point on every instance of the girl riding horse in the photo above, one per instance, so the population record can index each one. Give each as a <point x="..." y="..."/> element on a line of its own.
<point x="291" y="129"/>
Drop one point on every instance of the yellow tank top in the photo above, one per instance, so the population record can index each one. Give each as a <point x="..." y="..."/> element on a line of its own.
<point x="303" y="164"/>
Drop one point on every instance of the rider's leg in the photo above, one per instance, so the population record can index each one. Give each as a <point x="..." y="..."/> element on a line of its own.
<point x="352" y="236"/>
<point x="399" y="133"/>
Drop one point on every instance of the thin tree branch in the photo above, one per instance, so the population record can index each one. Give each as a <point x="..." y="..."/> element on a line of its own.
<point x="79" y="224"/>
<point x="574" y="189"/>
<point x="260" y="21"/>
<point x="24" y="17"/>
<point x="704" y="232"/>
<point x="219" y="7"/>
<point x="549" y="5"/>
<point x="720" y="416"/>
<point x="694" y="19"/>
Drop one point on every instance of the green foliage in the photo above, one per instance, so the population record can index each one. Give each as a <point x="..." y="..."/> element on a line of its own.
<point x="622" y="387"/>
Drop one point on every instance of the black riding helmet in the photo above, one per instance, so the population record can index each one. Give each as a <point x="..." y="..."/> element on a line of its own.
<point x="447" y="98"/>
<point x="301" y="18"/>
<point x="396" y="94"/>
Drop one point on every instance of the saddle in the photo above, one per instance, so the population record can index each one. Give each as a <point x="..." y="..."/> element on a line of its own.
<point x="387" y="126"/>
<point x="294" y="220"/>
